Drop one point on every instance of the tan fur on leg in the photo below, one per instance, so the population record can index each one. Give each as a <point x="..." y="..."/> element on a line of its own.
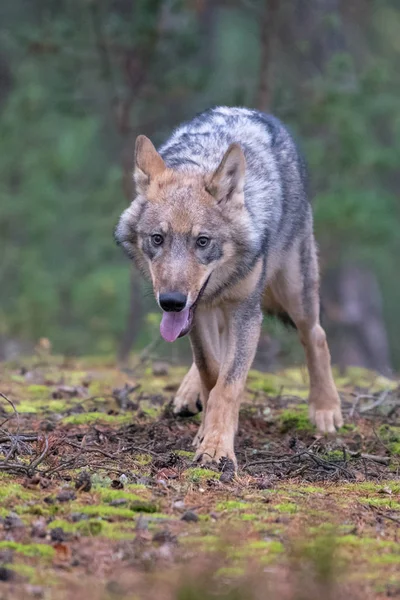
<point x="220" y="420"/>
<point x="220" y="424"/>
<point x="324" y="400"/>
<point x="188" y="398"/>
<point x="296" y="290"/>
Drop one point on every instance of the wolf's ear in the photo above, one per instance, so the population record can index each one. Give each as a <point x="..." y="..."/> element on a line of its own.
<point x="228" y="179"/>
<point x="148" y="163"/>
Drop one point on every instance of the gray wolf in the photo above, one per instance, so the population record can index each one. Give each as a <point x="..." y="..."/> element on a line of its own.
<point x="222" y="226"/>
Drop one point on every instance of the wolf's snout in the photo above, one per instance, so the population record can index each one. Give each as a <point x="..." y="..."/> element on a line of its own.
<point x="172" y="301"/>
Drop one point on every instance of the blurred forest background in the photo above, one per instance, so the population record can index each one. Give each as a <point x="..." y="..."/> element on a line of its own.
<point x="79" y="79"/>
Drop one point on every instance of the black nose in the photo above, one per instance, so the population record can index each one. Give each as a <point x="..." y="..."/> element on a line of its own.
<point x="173" y="301"/>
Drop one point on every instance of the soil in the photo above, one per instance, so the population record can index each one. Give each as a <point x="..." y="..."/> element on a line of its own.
<point x="100" y="497"/>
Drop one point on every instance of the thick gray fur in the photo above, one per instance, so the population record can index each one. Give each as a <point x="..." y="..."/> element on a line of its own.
<point x="276" y="188"/>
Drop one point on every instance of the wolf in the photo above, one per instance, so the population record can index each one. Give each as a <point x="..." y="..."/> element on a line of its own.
<point x="222" y="225"/>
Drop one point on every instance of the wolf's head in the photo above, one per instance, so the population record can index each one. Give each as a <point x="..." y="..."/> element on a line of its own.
<point x="184" y="229"/>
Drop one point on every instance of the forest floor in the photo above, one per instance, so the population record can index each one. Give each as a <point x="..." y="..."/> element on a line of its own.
<point x="100" y="498"/>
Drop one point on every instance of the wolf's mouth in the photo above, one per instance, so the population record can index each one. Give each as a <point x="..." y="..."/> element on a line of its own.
<point x="175" y="325"/>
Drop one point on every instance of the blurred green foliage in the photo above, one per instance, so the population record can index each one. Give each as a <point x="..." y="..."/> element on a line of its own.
<point x="86" y="77"/>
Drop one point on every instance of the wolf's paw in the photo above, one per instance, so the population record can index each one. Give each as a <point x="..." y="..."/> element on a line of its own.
<point x="186" y="404"/>
<point x="215" y="450"/>
<point x="326" y="420"/>
<point x="187" y="401"/>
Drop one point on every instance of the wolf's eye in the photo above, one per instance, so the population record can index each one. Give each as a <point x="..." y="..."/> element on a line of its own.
<point x="157" y="239"/>
<point x="202" y="241"/>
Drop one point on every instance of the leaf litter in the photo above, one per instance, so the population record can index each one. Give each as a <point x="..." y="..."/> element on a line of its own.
<point x="99" y="491"/>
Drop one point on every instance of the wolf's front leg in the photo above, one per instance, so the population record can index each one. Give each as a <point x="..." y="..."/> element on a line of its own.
<point x="238" y="344"/>
<point x="187" y="401"/>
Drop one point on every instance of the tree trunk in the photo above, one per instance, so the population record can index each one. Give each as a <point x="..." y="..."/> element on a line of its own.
<point x="267" y="38"/>
<point x="134" y="318"/>
<point x="353" y="319"/>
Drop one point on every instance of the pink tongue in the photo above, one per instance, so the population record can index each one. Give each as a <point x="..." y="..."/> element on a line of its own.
<point x="172" y="323"/>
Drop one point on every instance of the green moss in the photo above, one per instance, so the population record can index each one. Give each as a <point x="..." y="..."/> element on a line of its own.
<point x="232" y="505"/>
<point x="63" y="524"/>
<point x="354" y="541"/>
<point x="153" y="412"/>
<point x="91" y="527"/>
<point x="25" y="571"/>
<point x="56" y="406"/>
<point x="333" y="456"/>
<point x="94" y="417"/>
<point x="272" y="546"/>
<point x="14" y="490"/>
<point x="295" y="419"/>
<point x="265" y="383"/>
<point x="311" y="489"/>
<point x="38" y="392"/>
<point x="154" y="517"/>
<point x="74" y="378"/>
<point x="369" y="486"/>
<point x="36" y="509"/>
<point x="144" y="507"/>
<point x="390" y="435"/>
<point x="249" y="517"/>
<point x="197" y="474"/>
<point x="386" y="559"/>
<point x="363" y="378"/>
<point x="143" y="459"/>
<point x="97" y="388"/>
<point x="286" y="507"/>
<point x="370" y="544"/>
<point x="348" y="428"/>
<point x="97" y="527"/>
<point x="42" y="550"/>
<point x="385" y="502"/>
<point x="100" y="481"/>
<point x="205" y="542"/>
<point x="108" y="495"/>
<point x="24" y="406"/>
<point x="230" y="572"/>
<point x="185" y="453"/>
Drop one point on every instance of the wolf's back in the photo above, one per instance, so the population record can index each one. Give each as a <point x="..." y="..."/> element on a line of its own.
<point x="276" y="176"/>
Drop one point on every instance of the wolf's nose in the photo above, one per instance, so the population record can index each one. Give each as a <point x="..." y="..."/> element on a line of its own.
<point x="173" y="301"/>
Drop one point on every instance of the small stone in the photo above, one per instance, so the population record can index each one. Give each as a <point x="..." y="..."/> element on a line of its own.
<point x="190" y="517"/>
<point x="66" y="495"/>
<point x="227" y="476"/>
<point x="116" y="484"/>
<point x="6" y="574"/>
<point x="6" y="556"/>
<point x="165" y="552"/>
<point x="179" y="505"/>
<point x="83" y="482"/>
<point x="58" y="534"/>
<point x="39" y="528"/>
<point x="164" y="537"/>
<point x="142" y="524"/>
<point x="119" y="502"/>
<point x="76" y="516"/>
<point x="227" y="466"/>
<point x="35" y="591"/>
<point x="114" y="588"/>
<point x="12" y="521"/>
